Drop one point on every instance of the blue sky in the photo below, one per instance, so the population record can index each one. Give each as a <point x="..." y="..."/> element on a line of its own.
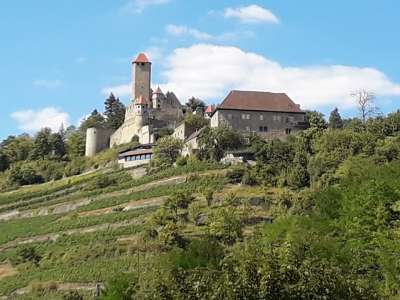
<point x="58" y="59"/>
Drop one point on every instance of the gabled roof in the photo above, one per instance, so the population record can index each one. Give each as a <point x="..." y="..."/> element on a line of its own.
<point x="141" y="58"/>
<point x="158" y="90"/>
<point x="260" y="101"/>
<point x="209" y="109"/>
<point x="140" y="100"/>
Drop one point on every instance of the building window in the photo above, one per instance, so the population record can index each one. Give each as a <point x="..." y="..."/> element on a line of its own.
<point x="261" y="118"/>
<point x="288" y="130"/>
<point x="247" y="128"/>
<point x="248" y="117"/>
<point x="243" y="117"/>
<point x="276" y="118"/>
<point x="263" y="129"/>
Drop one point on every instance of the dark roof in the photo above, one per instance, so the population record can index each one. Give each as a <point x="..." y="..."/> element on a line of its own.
<point x="139" y="147"/>
<point x="141" y="58"/>
<point x="262" y="101"/>
<point x="135" y="152"/>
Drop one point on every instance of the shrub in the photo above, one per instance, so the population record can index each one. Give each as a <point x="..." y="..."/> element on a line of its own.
<point x="236" y="174"/>
<point x="181" y="161"/>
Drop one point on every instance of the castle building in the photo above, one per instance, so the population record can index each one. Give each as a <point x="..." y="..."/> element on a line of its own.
<point x="147" y="112"/>
<point x="270" y="115"/>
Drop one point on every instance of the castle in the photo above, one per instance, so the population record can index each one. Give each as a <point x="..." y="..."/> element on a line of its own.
<point x="148" y="111"/>
<point x="270" y="115"/>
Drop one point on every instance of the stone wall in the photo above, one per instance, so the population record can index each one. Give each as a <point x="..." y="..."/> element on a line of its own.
<point x="97" y="139"/>
<point x="266" y="124"/>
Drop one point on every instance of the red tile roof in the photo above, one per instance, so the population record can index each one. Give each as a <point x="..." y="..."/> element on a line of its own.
<point x="209" y="109"/>
<point x="262" y="101"/>
<point x="141" y="58"/>
<point x="140" y="101"/>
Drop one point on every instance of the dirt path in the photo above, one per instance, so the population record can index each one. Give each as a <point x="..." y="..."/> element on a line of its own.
<point x="7" y="270"/>
<point x="135" y="204"/>
<point x="66" y="207"/>
<point x="62" y="286"/>
<point x="55" y="236"/>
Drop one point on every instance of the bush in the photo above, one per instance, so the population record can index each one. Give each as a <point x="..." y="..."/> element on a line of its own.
<point x="181" y="161"/>
<point x="29" y="255"/>
<point x="72" y="295"/>
<point x="236" y="174"/>
<point x="100" y="182"/>
<point x="24" y="175"/>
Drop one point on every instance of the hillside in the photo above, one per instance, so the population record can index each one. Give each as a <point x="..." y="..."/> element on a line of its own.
<point x="82" y="230"/>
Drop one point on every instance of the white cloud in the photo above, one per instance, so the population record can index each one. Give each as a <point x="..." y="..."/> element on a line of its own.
<point x="177" y="30"/>
<point x="251" y="14"/>
<point x="182" y="31"/>
<point x="34" y="120"/>
<point x="210" y="72"/>
<point x="119" y="90"/>
<point x="137" y="6"/>
<point x="47" y="83"/>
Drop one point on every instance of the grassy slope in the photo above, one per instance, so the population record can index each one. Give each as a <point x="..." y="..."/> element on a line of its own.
<point x="88" y="257"/>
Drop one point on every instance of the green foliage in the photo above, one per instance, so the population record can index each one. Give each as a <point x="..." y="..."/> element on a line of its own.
<point x="193" y="103"/>
<point x="73" y="295"/>
<point x="4" y="163"/>
<point x="166" y="151"/>
<point x="95" y="119"/>
<point x="114" y="112"/>
<point x="30" y="255"/>
<point x="76" y="144"/>
<point x="335" y="120"/>
<point x="195" y="122"/>
<point x="213" y="142"/>
<point x="123" y="287"/>
<point x="23" y="174"/>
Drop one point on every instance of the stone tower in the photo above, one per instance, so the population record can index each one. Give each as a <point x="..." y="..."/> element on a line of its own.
<point x="158" y="98"/>
<point x="141" y="78"/>
<point x="141" y="112"/>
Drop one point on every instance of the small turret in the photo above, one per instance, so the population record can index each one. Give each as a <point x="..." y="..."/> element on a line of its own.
<point x="141" y="111"/>
<point x="158" y="97"/>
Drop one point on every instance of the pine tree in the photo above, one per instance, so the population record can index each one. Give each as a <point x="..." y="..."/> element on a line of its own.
<point x="57" y="144"/>
<point x="114" y="112"/>
<point x="335" y="120"/>
<point x="95" y="119"/>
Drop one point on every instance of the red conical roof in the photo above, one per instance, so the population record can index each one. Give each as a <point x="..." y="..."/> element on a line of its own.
<point x="140" y="101"/>
<point x="141" y="58"/>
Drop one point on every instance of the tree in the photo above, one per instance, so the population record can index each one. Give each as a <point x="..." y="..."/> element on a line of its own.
<point x="335" y="120"/>
<point x="17" y="148"/>
<point x="4" y="163"/>
<point x="193" y="103"/>
<point x="213" y="142"/>
<point x="365" y="102"/>
<point x="57" y="145"/>
<point x="95" y="119"/>
<point x="195" y="121"/>
<point x="114" y="112"/>
<point x="316" y="120"/>
<point x="76" y="144"/>
<point x="166" y="151"/>
<point x="42" y="146"/>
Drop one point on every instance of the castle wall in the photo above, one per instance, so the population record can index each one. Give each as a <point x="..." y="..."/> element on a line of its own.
<point x="265" y="124"/>
<point x="97" y="139"/>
